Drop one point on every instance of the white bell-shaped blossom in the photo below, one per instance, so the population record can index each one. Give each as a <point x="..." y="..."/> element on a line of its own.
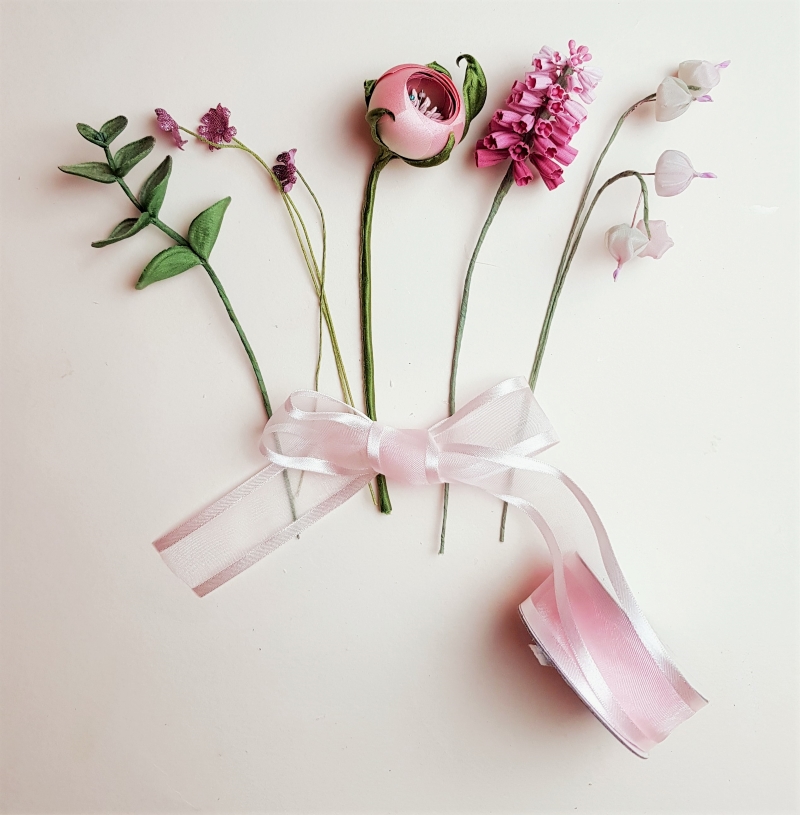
<point x="674" y="173"/>
<point x="673" y="98"/>
<point x="699" y="75"/>
<point x="625" y="242"/>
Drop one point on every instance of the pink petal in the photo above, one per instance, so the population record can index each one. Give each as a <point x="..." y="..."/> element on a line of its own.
<point x="522" y="174"/>
<point x="659" y="240"/>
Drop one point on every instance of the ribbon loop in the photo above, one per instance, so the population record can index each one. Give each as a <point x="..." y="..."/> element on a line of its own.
<point x="586" y="623"/>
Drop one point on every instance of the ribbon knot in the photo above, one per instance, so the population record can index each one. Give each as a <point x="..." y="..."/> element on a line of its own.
<point x="584" y="619"/>
<point x="408" y="456"/>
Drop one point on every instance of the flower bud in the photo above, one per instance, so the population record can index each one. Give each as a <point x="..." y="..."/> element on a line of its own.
<point x="426" y="107"/>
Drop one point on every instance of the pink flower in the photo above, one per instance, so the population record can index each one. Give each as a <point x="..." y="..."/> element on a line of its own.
<point x="427" y="109"/>
<point x="285" y="171"/>
<point x="169" y="125"/>
<point x="659" y="240"/>
<point x="623" y="243"/>
<point x="674" y="173"/>
<point x="215" y="126"/>
<point x="540" y="117"/>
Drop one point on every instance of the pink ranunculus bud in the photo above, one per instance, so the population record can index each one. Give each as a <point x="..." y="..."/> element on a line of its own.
<point x="673" y="98"/>
<point x="659" y="240"/>
<point x="427" y="109"/>
<point x="699" y="75"/>
<point x="674" y="173"/>
<point x="623" y="243"/>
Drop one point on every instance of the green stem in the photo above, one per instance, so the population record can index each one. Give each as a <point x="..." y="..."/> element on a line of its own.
<point x="559" y="282"/>
<point x="321" y="274"/>
<point x="180" y="240"/>
<point x="502" y="190"/>
<point x="563" y="264"/>
<point x="317" y="275"/>
<point x="368" y="361"/>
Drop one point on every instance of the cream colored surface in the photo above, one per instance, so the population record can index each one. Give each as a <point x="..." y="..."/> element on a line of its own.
<point x="355" y="670"/>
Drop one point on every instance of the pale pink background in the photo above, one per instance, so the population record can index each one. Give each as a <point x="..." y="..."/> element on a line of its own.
<point x="356" y="671"/>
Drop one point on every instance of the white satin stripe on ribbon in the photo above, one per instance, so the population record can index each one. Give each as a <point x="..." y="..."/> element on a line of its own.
<point x="586" y="623"/>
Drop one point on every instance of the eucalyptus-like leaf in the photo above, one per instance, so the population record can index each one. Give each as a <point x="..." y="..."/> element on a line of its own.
<point x="151" y="195"/>
<point x="205" y="228"/>
<point x="373" y="117"/>
<point x="434" y="66"/>
<point x="90" y="134"/>
<point x="369" y="87"/>
<point x="434" y="161"/>
<point x="124" y="229"/>
<point x="113" y="127"/>
<point x="93" y="170"/>
<point x="127" y="157"/>
<point x="170" y="262"/>
<point x="474" y="89"/>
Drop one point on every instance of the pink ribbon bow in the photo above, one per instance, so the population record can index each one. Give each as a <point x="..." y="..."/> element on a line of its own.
<point x="590" y="628"/>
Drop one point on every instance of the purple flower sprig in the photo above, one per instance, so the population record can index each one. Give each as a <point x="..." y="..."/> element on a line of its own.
<point x="216" y="131"/>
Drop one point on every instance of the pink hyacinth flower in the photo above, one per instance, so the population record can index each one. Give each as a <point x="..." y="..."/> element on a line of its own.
<point x="623" y="243"/>
<point x="427" y="110"/>
<point x="659" y="240"/>
<point x="169" y="125"/>
<point x="674" y="173"/>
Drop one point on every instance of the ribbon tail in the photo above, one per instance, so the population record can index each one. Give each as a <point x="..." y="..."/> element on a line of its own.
<point x="248" y="523"/>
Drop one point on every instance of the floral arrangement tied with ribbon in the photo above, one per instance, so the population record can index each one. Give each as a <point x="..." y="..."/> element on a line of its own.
<point x="320" y="451"/>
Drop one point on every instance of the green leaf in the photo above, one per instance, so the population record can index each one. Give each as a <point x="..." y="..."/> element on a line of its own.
<point x="474" y="90"/>
<point x="127" y="157"/>
<point x="434" y="161"/>
<point x="124" y="229"/>
<point x="151" y="196"/>
<point x="439" y="68"/>
<point x="205" y="228"/>
<point x="369" y="87"/>
<point x="170" y="262"/>
<point x="113" y="127"/>
<point x="90" y="134"/>
<point x="94" y="170"/>
<point x="373" y="116"/>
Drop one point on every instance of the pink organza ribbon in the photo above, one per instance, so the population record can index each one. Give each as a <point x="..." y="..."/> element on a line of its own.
<point x="584" y="621"/>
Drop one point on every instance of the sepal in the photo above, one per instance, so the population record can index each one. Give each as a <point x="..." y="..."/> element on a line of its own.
<point x="373" y="117"/>
<point x="434" y="66"/>
<point x="474" y="89"/>
<point x="434" y="161"/>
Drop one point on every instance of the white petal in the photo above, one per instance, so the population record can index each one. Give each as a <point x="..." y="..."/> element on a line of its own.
<point x="700" y="75"/>
<point x="624" y="242"/>
<point x="672" y="99"/>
